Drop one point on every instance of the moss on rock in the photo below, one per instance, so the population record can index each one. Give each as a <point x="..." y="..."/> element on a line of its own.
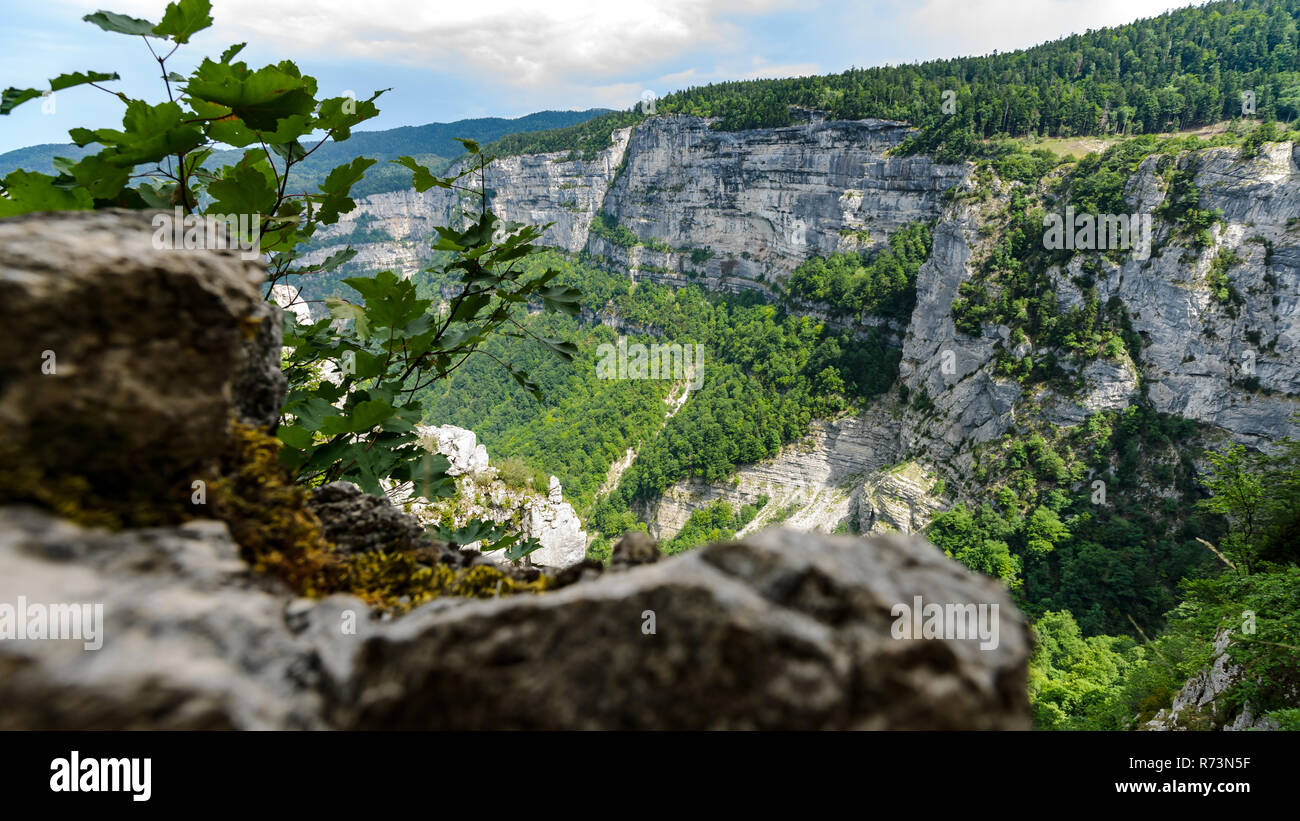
<point x="269" y="518"/>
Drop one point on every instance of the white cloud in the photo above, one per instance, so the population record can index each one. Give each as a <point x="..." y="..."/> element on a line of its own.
<point x="517" y="42"/>
<point x="625" y="95"/>
<point x="958" y="28"/>
<point x="579" y="53"/>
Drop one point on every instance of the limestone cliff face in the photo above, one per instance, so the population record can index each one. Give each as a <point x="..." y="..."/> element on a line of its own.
<point x="734" y="209"/>
<point x="1198" y="356"/>
<point x="393" y="230"/>
<point x="1197" y="352"/>
<point x="743" y="209"/>
<point x="550" y="188"/>
<point x="400" y="225"/>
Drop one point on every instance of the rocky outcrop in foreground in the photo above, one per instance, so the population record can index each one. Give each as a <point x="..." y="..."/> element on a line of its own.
<point x="782" y="631"/>
<point x="114" y="349"/>
<point x="174" y="627"/>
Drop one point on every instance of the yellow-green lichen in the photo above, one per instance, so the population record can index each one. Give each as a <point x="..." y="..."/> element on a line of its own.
<point x="269" y="518"/>
<point x="396" y="582"/>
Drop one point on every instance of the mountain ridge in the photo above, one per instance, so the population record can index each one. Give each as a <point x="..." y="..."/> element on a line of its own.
<point x="434" y="143"/>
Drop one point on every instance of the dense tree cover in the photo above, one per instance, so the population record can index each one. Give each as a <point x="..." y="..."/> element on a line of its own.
<point x="1181" y="69"/>
<point x="1072" y="678"/>
<point x="765" y="376"/>
<point x="583" y="424"/>
<point x="715" y="523"/>
<point x="1184" y="68"/>
<point x="608" y="228"/>
<point x="584" y="140"/>
<point x="879" y="282"/>
<point x="1111" y="553"/>
<point x="978" y="539"/>
<point x="1104" y="682"/>
<point x="1260" y="494"/>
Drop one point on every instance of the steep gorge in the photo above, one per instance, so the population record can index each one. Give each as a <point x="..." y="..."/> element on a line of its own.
<point x="674" y="202"/>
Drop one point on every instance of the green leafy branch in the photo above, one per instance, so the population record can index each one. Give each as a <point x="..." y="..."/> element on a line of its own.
<point x="351" y="411"/>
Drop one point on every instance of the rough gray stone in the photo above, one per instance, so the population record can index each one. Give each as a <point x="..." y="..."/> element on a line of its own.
<point x="260" y="386"/>
<point x="118" y="355"/>
<point x="634" y="548"/>
<point x="190" y="639"/>
<point x="357" y="522"/>
<point x="782" y="631"/>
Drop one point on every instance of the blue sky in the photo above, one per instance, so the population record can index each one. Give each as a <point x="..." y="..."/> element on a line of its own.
<point x="451" y="60"/>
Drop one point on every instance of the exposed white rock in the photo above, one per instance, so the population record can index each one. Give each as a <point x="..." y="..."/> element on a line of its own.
<point x="460" y="446"/>
<point x="481" y="495"/>
<point x="898" y="499"/>
<point x="554" y="523"/>
<point x="289" y="298"/>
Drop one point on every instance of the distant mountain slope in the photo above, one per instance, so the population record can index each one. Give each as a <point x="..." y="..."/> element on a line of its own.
<point x="41" y="157"/>
<point x="440" y="138"/>
<point x="430" y="143"/>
